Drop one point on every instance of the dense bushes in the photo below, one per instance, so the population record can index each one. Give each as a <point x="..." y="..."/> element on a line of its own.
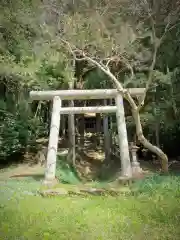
<point x="18" y="129"/>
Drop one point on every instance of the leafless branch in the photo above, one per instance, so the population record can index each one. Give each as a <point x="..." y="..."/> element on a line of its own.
<point x="151" y="68"/>
<point x="157" y="43"/>
<point x="168" y="28"/>
<point x="122" y="59"/>
<point x="126" y="62"/>
<point x="134" y="108"/>
<point x="108" y="62"/>
<point x="102" y="67"/>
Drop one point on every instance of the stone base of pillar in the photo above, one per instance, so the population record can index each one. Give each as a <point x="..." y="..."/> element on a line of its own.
<point x="50" y="182"/>
<point x="136" y="169"/>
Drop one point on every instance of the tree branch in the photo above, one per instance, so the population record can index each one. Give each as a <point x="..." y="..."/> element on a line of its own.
<point x="102" y="67"/>
<point x="157" y="44"/>
<point x="134" y="107"/>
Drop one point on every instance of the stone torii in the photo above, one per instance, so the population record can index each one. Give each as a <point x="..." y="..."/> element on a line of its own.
<point x="58" y="96"/>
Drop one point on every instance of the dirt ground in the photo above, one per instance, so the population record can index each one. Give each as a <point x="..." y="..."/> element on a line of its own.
<point x="21" y="170"/>
<point x="89" y="162"/>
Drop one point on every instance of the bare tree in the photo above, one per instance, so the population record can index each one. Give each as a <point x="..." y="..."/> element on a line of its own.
<point x="104" y="66"/>
<point x="102" y="35"/>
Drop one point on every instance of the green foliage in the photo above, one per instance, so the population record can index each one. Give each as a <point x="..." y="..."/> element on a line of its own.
<point x="29" y="59"/>
<point x="157" y="184"/>
<point x="32" y="55"/>
<point x="18" y="130"/>
<point x="66" y="173"/>
<point x="96" y="79"/>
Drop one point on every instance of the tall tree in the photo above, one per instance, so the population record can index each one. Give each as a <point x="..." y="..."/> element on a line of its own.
<point x="112" y="47"/>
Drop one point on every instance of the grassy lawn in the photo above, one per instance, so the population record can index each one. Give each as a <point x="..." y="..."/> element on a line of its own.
<point x="152" y="213"/>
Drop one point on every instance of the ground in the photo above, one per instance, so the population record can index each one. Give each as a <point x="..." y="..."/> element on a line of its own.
<point x="150" y="212"/>
<point x="147" y="209"/>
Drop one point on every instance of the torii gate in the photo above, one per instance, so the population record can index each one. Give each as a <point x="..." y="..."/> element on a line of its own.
<point x="59" y="95"/>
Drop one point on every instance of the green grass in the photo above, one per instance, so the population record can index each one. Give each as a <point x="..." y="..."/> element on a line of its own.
<point x="152" y="213"/>
<point x="65" y="173"/>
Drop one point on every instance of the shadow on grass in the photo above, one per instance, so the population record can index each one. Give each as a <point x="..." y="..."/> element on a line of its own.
<point x="36" y="177"/>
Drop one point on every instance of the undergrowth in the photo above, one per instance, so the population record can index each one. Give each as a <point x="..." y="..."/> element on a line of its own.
<point x="65" y="172"/>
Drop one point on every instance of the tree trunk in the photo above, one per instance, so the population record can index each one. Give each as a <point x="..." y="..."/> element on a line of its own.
<point x="111" y="125"/>
<point x="135" y="113"/>
<point x="98" y="128"/>
<point x="71" y="131"/>
<point x="157" y="125"/>
<point x="134" y="108"/>
<point x="134" y="139"/>
<point x="62" y="126"/>
<point x="106" y="136"/>
<point x="147" y="144"/>
<point x="82" y="129"/>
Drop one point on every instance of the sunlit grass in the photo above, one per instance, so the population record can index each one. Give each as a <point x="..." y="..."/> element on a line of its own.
<point x="152" y="212"/>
